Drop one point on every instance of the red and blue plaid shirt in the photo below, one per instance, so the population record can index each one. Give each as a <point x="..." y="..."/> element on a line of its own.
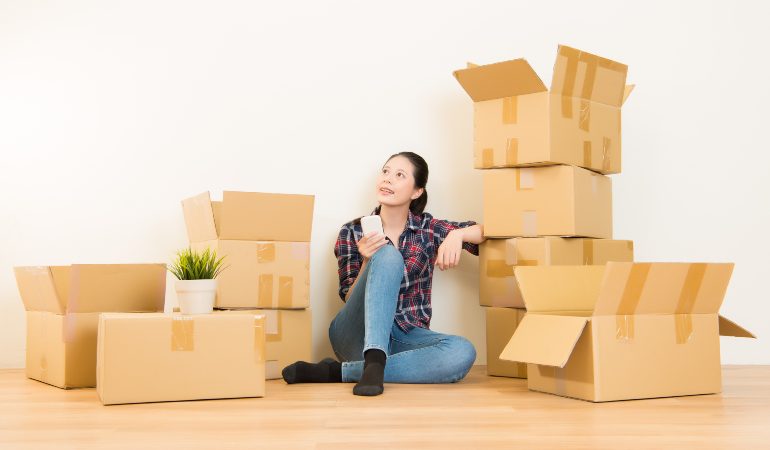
<point x="418" y="244"/>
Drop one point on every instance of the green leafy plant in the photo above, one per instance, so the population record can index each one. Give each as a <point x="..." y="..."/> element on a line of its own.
<point x="193" y="265"/>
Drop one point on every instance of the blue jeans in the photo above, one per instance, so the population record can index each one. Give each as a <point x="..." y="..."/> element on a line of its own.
<point x="367" y="322"/>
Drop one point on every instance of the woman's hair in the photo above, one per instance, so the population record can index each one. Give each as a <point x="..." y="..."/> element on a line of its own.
<point x="417" y="206"/>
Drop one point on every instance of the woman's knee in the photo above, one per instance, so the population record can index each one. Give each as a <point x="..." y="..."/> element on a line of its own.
<point x="387" y="255"/>
<point x="464" y="355"/>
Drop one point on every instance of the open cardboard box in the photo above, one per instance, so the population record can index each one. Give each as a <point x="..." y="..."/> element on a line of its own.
<point x="622" y="331"/>
<point x="63" y="305"/>
<point x="519" y="122"/>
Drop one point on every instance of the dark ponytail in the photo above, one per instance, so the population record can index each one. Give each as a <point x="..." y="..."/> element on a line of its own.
<point x="417" y="206"/>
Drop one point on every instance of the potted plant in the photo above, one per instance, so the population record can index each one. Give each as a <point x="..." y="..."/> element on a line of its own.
<point x="196" y="285"/>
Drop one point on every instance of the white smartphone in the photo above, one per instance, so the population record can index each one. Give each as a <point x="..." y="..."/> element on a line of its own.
<point x="371" y="223"/>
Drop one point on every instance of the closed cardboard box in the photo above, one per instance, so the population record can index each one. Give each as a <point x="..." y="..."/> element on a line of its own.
<point x="170" y="357"/>
<point x="63" y="305"/>
<point x="288" y="337"/>
<point x="501" y="324"/>
<point x="519" y="122"/>
<point x="622" y="331"/>
<point x="547" y="201"/>
<point x="498" y="257"/>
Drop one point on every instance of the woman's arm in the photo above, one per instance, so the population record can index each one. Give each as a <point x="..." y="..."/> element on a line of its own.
<point x="449" y="251"/>
<point x="473" y="234"/>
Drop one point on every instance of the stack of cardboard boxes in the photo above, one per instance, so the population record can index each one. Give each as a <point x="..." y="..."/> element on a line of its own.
<point x="265" y="240"/>
<point x="547" y="203"/>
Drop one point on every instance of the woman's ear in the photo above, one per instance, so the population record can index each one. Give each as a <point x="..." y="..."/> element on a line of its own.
<point x="417" y="193"/>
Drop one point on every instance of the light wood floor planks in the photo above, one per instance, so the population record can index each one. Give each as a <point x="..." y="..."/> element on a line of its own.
<point x="479" y="412"/>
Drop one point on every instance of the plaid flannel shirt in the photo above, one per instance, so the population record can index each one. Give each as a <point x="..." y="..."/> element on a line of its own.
<point x="418" y="244"/>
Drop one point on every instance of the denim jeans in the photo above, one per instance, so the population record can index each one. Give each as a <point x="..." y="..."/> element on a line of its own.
<point x="367" y="322"/>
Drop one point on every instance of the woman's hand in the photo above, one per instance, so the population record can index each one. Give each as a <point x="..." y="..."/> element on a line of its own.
<point x="449" y="251"/>
<point x="370" y="243"/>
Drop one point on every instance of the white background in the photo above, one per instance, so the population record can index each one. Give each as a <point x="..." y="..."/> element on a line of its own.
<point x="112" y="112"/>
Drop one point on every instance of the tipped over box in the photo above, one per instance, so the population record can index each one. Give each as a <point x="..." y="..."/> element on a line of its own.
<point x="622" y="331"/>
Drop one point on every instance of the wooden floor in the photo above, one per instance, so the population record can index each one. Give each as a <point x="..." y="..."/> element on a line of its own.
<point x="479" y="412"/>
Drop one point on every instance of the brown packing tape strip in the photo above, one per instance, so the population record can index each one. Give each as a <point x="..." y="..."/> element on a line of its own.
<point x="274" y="325"/>
<point x="285" y="292"/>
<point x="259" y="338"/>
<point x="529" y="223"/>
<point x="592" y="62"/>
<point x="182" y="334"/>
<point x="512" y="152"/>
<point x="510" y="110"/>
<point x="525" y="179"/>
<point x="265" y="253"/>
<point x="606" y="155"/>
<point x="265" y="298"/>
<point x="585" y="115"/>
<point x="588" y="251"/>
<point x="632" y="293"/>
<point x="527" y="262"/>
<point x="683" y="313"/>
<point x="587" y="153"/>
<point x="487" y="158"/>
<point x="498" y="268"/>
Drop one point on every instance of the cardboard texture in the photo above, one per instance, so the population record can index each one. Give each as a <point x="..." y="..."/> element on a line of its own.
<point x="501" y="323"/>
<point x="171" y="357"/>
<point x="547" y="201"/>
<point x="288" y="337"/>
<point x="63" y="305"/>
<point x="262" y="274"/>
<point x="622" y="331"/>
<point x="518" y="122"/>
<point x="498" y="257"/>
<point x="249" y="216"/>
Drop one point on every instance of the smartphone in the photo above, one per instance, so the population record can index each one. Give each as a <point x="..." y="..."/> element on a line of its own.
<point x="371" y="223"/>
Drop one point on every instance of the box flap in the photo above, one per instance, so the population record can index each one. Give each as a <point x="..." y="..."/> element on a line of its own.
<point x="38" y="290"/>
<point x="576" y="290"/>
<point x="499" y="80"/>
<point x="117" y="288"/>
<point x="581" y="74"/>
<point x="544" y="339"/>
<point x="729" y="328"/>
<point x="663" y="288"/>
<point x="199" y="218"/>
<point x="256" y="216"/>
<point x="627" y="92"/>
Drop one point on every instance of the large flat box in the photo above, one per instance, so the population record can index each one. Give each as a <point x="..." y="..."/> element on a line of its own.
<point x="171" y="357"/>
<point x="547" y="201"/>
<point x="288" y="337"/>
<point x="249" y="216"/>
<point x="501" y="323"/>
<point x="517" y="121"/>
<point x="623" y="331"/>
<point x="262" y="274"/>
<point x="63" y="305"/>
<point x="498" y="257"/>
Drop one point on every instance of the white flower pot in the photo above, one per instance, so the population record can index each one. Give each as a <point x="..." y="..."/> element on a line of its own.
<point x="196" y="296"/>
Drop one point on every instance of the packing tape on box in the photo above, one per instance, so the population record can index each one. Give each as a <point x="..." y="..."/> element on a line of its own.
<point x="265" y="252"/>
<point x="591" y="62"/>
<point x="632" y="293"/>
<point x="498" y="268"/>
<point x="299" y="251"/>
<point x="259" y="338"/>
<point x="683" y="312"/>
<point x="547" y="250"/>
<point x="487" y="158"/>
<point x="510" y="109"/>
<point x="265" y="297"/>
<point x="585" y="115"/>
<point x="587" y="153"/>
<point x="511" y="151"/>
<point x="182" y="334"/>
<point x="630" y="245"/>
<point x="285" y="292"/>
<point x="529" y="223"/>
<point x="606" y="155"/>
<point x="525" y="179"/>
<point x="560" y="380"/>
<point x="273" y="325"/>
<point x="588" y="251"/>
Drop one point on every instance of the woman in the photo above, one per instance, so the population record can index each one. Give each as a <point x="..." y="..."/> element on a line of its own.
<point x="382" y="332"/>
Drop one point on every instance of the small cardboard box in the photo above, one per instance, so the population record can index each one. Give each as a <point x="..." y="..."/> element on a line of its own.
<point x="262" y="274"/>
<point x="169" y="357"/>
<point x="622" y="331"/>
<point x="498" y="257"/>
<point x="288" y="337"/>
<point x="547" y="201"/>
<point x="518" y="122"/>
<point x="63" y="305"/>
<point x="501" y="323"/>
<point x="249" y="216"/>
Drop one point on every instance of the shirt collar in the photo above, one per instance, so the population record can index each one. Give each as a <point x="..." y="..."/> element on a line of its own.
<point x="412" y="221"/>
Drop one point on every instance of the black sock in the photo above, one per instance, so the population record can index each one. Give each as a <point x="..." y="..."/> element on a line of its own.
<point x="374" y="372"/>
<point x="326" y="371"/>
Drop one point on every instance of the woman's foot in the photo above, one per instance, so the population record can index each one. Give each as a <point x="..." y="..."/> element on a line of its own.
<point x="326" y="371"/>
<point x="371" y="380"/>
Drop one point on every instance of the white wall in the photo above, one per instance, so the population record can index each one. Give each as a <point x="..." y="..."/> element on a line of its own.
<point x="111" y="112"/>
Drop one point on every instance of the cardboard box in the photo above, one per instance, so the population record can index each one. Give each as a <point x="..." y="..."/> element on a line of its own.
<point x="288" y="337"/>
<point x="169" y="357"/>
<point x="518" y="122"/>
<point x="498" y="257"/>
<point x="63" y="305"/>
<point x="249" y="216"/>
<point x="547" y="201"/>
<point x="622" y="331"/>
<point x="501" y="323"/>
<point x="262" y="274"/>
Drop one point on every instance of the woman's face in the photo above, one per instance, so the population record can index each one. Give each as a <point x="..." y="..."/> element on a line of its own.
<point x="395" y="185"/>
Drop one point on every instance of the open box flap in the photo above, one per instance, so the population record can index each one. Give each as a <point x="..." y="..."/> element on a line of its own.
<point x="544" y="339"/>
<point x="584" y="75"/>
<point x="500" y="80"/>
<point x="38" y="289"/>
<point x="559" y="288"/>
<point x="199" y="218"/>
<point x="729" y="328"/>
